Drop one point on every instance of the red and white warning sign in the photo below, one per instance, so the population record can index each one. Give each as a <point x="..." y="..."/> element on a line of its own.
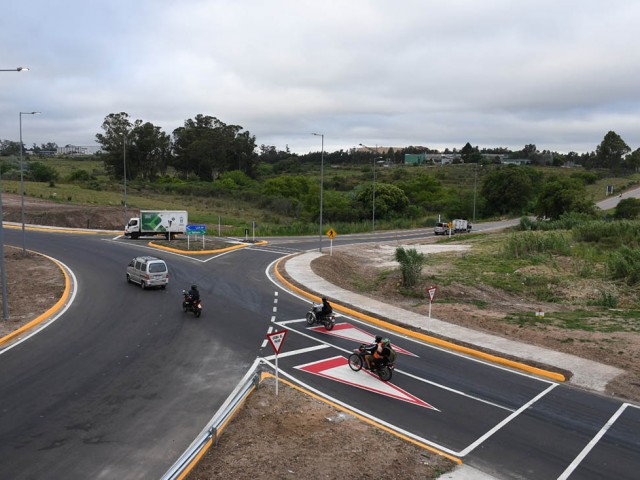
<point x="276" y="339"/>
<point x="432" y="293"/>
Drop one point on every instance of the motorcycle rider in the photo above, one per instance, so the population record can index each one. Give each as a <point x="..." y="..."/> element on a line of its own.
<point x="380" y="354"/>
<point x="326" y="309"/>
<point x="193" y="295"/>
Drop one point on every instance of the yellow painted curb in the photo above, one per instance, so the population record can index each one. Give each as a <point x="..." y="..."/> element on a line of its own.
<point x="51" y="311"/>
<point x="428" y="338"/>
<point x="205" y="252"/>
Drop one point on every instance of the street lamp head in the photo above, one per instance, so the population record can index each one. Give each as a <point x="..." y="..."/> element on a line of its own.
<point x="22" y="69"/>
<point x="318" y="134"/>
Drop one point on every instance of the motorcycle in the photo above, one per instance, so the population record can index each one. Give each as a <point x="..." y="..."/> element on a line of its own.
<point x="357" y="362"/>
<point x="314" y="317"/>
<point x="189" y="306"/>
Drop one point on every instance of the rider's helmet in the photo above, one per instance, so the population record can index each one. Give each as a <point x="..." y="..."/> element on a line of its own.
<point x="324" y="299"/>
<point x="194" y="287"/>
<point x="385" y="342"/>
<point x="378" y="339"/>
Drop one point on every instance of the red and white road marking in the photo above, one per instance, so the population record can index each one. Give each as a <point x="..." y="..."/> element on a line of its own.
<point x="337" y="369"/>
<point x="351" y="332"/>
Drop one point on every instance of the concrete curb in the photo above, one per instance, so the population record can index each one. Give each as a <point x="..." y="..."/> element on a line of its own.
<point x="586" y="373"/>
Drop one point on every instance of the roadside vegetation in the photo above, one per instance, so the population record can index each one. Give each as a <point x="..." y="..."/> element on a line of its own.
<point x="218" y="173"/>
<point x="585" y="271"/>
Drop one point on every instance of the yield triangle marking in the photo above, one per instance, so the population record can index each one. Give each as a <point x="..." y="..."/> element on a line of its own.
<point x="337" y="369"/>
<point x="351" y="332"/>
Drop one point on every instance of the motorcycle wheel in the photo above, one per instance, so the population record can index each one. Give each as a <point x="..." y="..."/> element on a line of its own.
<point x="385" y="373"/>
<point x="328" y="324"/>
<point x="311" y="318"/>
<point x="197" y="312"/>
<point x="184" y="307"/>
<point x="355" y="362"/>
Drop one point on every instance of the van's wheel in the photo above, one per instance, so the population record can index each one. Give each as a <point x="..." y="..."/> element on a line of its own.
<point x="128" y="278"/>
<point x="142" y="284"/>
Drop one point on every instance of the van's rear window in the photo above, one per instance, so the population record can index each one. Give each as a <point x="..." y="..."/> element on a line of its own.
<point x="157" y="267"/>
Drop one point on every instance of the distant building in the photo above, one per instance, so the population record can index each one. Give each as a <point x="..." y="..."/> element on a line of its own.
<point x="78" y="150"/>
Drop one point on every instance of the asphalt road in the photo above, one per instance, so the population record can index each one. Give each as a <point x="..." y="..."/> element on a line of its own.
<point x="121" y="383"/>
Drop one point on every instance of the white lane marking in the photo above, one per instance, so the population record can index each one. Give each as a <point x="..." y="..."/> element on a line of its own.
<point x="298" y="352"/>
<point x="585" y="451"/>
<point x="275" y="309"/>
<point x="299" y="320"/>
<point x="264" y="344"/>
<point x="397" y="370"/>
<point x="273" y="318"/>
<point x="45" y="323"/>
<point x="524" y="407"/>
<point x="457" y="392"/>
<point x="408" y="338"/>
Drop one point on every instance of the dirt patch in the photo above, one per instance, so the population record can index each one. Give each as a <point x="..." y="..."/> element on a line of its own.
<point x="294" y="436"/>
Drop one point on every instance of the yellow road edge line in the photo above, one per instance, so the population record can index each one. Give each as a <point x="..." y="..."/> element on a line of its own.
<point x="204" y="252"/>
<point x="51" y="311"/>
<point x="428" y="338"/>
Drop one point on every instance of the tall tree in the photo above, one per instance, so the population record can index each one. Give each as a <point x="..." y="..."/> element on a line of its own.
<point x="509" y="189"/>
<point x="208" y="147"/>
<point x="610" y="152"/>
<point x="561" y="195"/>
<point x="143" y="149"/>
<point x="114" y="144"/>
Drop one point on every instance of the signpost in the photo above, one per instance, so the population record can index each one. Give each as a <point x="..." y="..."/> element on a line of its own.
<point x="196" y="230"/>
<point x="276" y="339"/>
<point x="331" y="233"/>
<point x="432" y="292"/>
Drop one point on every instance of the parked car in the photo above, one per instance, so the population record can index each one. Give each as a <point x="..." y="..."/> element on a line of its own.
<point x="148" y="272"/>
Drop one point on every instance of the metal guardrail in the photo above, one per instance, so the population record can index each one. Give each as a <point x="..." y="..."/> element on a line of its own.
<point x="224" y="413"/>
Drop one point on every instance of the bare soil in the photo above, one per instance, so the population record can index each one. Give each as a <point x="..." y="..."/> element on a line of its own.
<point x="293" y="435"/>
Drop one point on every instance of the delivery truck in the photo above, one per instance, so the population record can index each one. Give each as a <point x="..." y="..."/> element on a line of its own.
<point x="461" y="225"/>
<point x="157" y="222"/>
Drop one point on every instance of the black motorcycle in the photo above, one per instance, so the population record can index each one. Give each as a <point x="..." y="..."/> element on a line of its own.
<point x="190" y="306"/>
<point x="314" y="317"/>
<point x="357" y="362"/>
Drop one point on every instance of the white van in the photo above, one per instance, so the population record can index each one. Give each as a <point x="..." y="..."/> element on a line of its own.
<point x="148" y="272"/>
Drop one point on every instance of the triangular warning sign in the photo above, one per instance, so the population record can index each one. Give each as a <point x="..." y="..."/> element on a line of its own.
<point x="276" y="339"/>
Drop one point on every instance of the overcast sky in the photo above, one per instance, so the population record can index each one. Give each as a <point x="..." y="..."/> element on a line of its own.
<point x="557" y="74"/>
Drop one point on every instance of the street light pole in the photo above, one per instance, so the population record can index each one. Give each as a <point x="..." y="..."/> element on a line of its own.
<point x="321" y="182"/>
<point x="24" y="249"/>
<point x="124" y="174"/>
<point x="3" y="277"/>
<point x="373" y="206"/>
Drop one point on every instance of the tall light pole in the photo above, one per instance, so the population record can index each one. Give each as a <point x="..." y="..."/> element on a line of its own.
<point x="3" y="279"/>
<point x="124" y="174"/>
<point x="321" y="182"/>
<point x="124" y="165"/>
<point x="475" y="190"/>
<point x="24" y="249"/>
<point x="373" y="206"/>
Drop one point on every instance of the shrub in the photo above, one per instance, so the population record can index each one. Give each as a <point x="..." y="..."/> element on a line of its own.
<point x="411" y="263"/>
<point x="624" y="264"/>
<point x="530" y="243"/>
